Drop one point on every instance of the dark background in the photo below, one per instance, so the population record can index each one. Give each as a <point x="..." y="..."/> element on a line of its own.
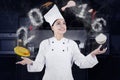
<point x="13" y="11"/>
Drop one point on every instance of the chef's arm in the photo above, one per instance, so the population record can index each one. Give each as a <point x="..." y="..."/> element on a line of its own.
<point x="38" y="64"/>
<point x="82" y="61"/>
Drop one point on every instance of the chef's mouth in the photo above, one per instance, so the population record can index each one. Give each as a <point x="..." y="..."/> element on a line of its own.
<point x="62" y="29"/>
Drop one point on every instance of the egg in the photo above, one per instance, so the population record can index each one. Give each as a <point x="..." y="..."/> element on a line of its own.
<point x="101" y="38"/>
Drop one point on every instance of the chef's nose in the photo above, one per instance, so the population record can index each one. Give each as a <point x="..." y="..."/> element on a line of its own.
<point x="62" y="26"/>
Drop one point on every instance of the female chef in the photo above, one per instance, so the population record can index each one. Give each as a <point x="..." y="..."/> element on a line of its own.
<point x="58" y="53"/>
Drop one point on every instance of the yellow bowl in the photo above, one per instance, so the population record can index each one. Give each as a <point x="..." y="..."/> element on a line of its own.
<point x="21" y="51"/>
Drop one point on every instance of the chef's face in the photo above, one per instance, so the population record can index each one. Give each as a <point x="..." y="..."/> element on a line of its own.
<point x="59" y="26"/>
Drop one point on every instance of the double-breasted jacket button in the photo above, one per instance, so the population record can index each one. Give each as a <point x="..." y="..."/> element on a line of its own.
<point x="52" y="49"/>
<point x="52" y="41"/>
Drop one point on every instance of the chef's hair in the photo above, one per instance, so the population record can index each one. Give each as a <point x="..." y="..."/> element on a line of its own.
<point x="46" y="7"/>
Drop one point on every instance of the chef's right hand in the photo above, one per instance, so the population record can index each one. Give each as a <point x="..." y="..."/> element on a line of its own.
<point x="24" y="61"/>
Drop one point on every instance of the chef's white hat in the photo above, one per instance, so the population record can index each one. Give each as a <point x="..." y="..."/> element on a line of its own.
<point x="52" y="15"/>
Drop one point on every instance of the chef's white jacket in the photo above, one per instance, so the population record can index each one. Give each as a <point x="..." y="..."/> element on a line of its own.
<point x="58" y="57"/>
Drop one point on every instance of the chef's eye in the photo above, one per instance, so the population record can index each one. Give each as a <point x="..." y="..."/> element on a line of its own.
<point x="58" y="23"/>
<point x="64" y="23"/>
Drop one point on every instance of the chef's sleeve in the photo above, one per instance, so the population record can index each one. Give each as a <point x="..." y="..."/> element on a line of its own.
<point x="82" y="61"/>
<point x="39" y="62"/>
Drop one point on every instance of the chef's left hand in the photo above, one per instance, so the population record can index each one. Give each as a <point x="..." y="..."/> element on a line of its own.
<point x="98" y="51"/>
